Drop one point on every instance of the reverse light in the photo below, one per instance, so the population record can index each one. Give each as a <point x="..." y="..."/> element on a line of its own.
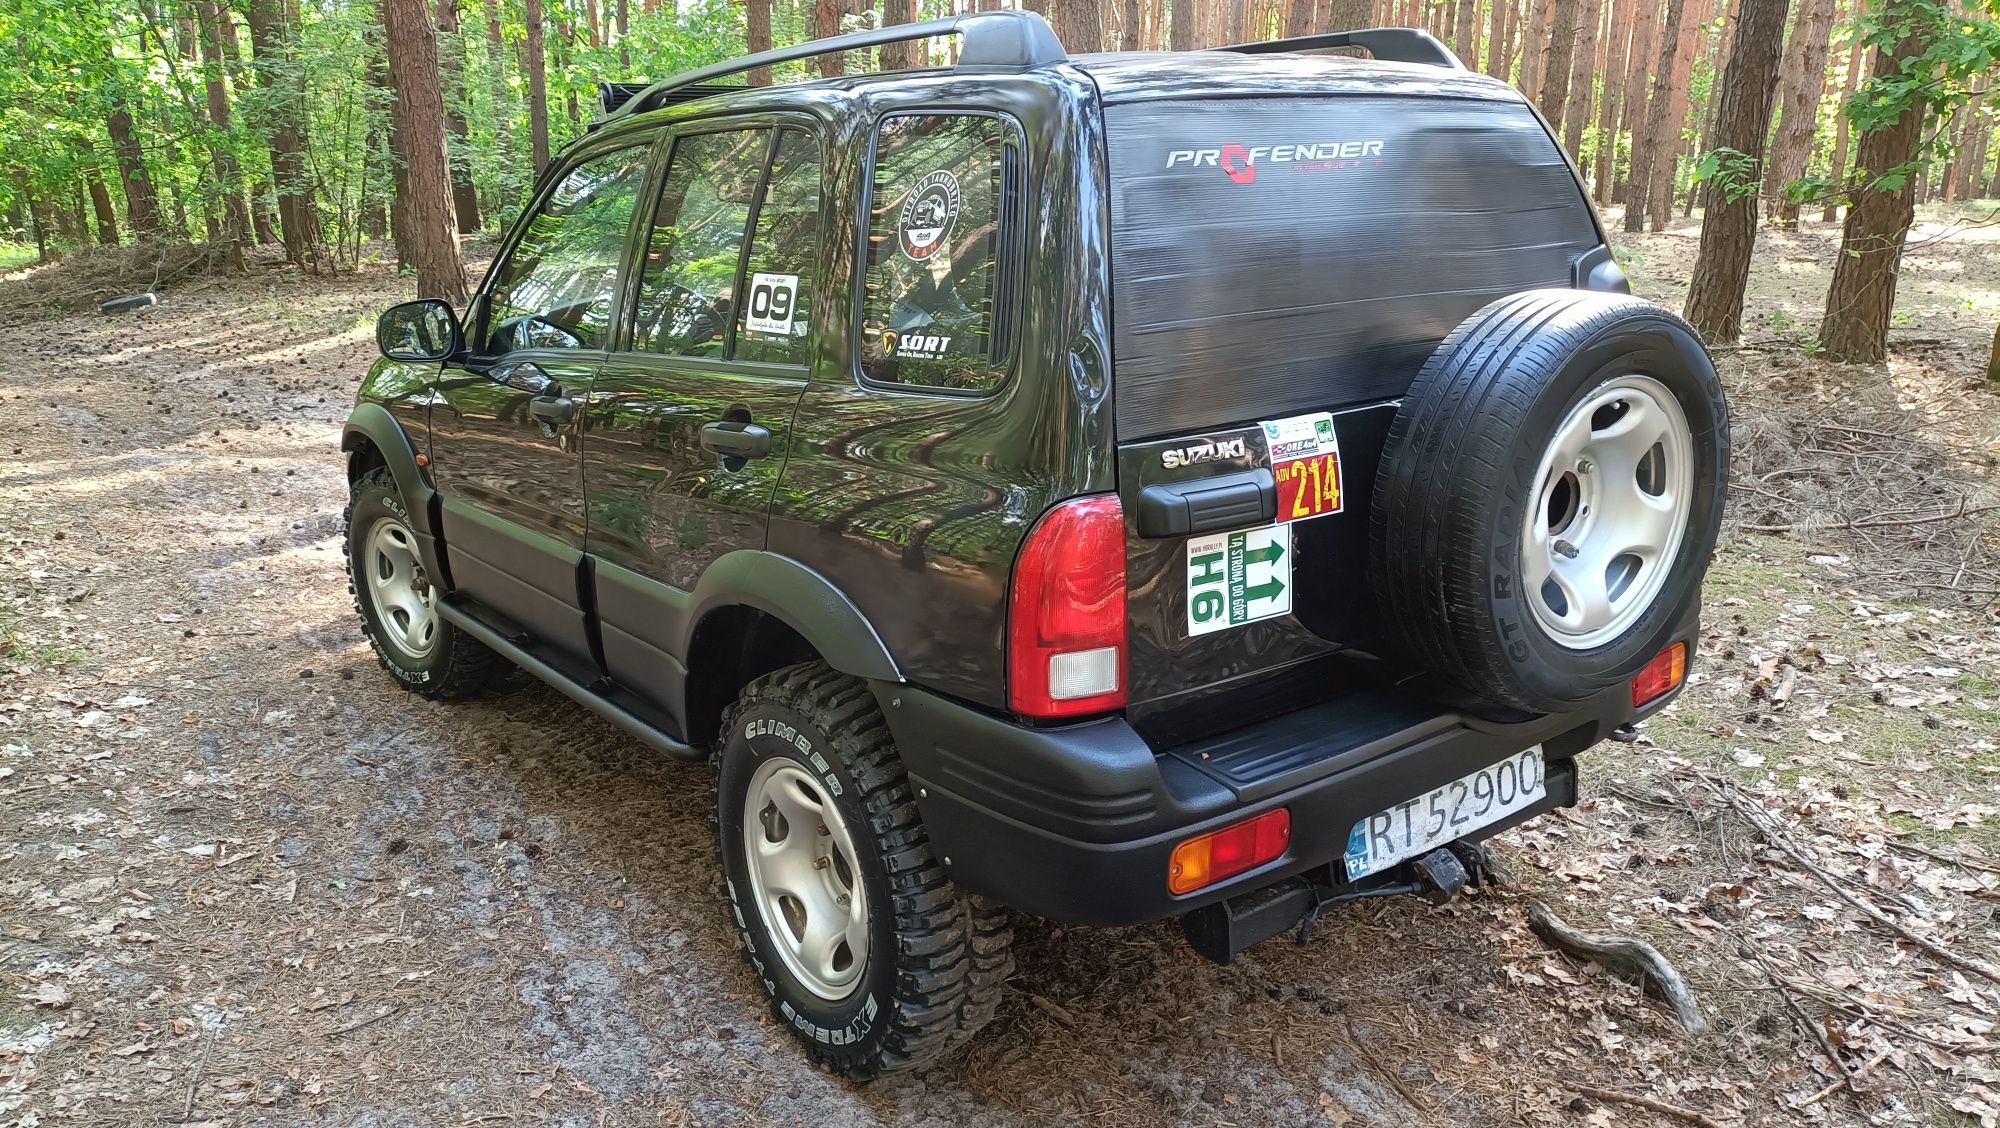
<point x="1066" y="612"/>
<point x="1222" y="854"/>
<point x="1661" y="675"/>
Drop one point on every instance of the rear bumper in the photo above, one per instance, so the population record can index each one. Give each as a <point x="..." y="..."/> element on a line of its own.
<point x="1077" y="823"/>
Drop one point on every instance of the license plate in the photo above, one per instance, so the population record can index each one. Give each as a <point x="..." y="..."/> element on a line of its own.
<point x="1451" y="812"/>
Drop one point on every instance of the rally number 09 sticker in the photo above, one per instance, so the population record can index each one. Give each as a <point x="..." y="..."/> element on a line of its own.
<point x="774" y="299"/>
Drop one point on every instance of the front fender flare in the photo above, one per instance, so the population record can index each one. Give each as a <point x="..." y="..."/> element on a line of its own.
<point x="805" y="600"/>
<point x="373" y="425"/>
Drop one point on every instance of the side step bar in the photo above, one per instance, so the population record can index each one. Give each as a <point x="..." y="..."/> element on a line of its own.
<point x="584" y="695"/>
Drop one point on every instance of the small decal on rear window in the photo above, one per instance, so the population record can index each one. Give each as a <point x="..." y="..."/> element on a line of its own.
<point x="1237" y="578"/>
<point x="773" y="300"/>
<point x="1305" y="459"/>
<point x="928" y="214"/>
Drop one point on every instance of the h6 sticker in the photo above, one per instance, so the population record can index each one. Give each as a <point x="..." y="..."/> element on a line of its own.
<point x="1305" y="459"/>
<point x="1237" y="578"/>
<point x="773" y="300"/>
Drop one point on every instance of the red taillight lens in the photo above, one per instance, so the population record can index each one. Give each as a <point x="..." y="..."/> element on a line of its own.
<point x="1221" y="854"/>
<point x="1667" y="669"/>
<point x="1066" y="617"/>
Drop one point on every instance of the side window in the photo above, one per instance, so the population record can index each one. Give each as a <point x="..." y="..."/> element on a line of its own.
<point x="687" y="290"/>
<point x="554" y="290"/>
<point x="784" y="252"/>
<point x="933" y="302"/>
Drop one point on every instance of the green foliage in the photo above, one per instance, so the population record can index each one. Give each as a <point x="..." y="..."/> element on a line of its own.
<point x="1959" y="52"/>
<point x="1736" y="173"/>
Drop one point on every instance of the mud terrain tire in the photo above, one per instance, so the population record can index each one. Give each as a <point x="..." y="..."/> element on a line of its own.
<point x="936" y="956"/>
<point x="454" y="665"/>
<point x="1471" y="482"/>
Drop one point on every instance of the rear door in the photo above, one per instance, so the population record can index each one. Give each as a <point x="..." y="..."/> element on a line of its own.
<point x="1281" y="268"/>
<point x="504" y="426"/>
<point x="689" y="421"/>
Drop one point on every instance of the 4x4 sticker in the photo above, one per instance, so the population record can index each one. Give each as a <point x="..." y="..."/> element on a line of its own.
<point x="1237" y="578"/>
<point x="1305" y="459"/>
<point x="773" y="300"/>
<point x="927" y="215"/>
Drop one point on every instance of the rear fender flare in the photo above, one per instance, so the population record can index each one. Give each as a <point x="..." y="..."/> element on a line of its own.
<point x="372" y="424"/>
<point x="801" y="598"/>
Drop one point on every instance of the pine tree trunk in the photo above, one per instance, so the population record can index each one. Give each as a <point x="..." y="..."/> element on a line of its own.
<point x="1648" y="138"/>
<point x="1553" y="94"/>
<point x="1837" y="166"/>
<point x="236" y="230"/>
<point x="1610" y="99"/>
<point x="1128" y="26"/>
<point x="1079" y="23"/>
<point x="1970" y="179"/>
<point x="1582" y="69"/>
<point x="1855" y="327"/>
<point x="594" y="28"/>
<point x="757" y="37"/>
<point x="538" y="84"/>
<point x="1639" y="59"/>
<point x="624" y="10"/>
<point x="1499" y="40"/>
<point x="100" y="206"/>
<point x="826" y="24"/>
<point x="1729" y="209"/>
<point x="1805" y="82"/>
<point x="1347" y="15"/>
<point x="142" y="204"/>
<point x="285" y="99"/>
<point x="451" y="68"/>
<point x="430" y="228"/>
<point x="1540" y="15"/>
<point x="1181" y="25"/>
<point x="1465" y="32"/>
<point x="1660" y="188"/>
<point x="496" y="79"/>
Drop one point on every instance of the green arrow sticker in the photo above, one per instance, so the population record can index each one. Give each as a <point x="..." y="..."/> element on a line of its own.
<point x="1238" y="578"/>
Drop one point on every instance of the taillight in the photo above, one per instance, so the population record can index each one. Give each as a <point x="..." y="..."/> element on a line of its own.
<point x="1066" y="617"/>
<point x="1221" y="854"/>
<point x="1667" y="669"/>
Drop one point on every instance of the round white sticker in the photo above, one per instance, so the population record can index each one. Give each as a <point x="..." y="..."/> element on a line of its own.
<point x="928" y="214"/>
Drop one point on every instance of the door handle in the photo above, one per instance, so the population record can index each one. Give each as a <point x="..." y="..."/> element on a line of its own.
<point x="552" y="411"/>
<point x="733" y="439"/>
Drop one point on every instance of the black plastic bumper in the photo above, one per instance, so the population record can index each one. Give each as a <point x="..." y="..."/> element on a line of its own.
<point x="1077" y="823"/>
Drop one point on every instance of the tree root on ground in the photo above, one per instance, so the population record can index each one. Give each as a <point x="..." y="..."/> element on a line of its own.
<point x="1625" y="958"/>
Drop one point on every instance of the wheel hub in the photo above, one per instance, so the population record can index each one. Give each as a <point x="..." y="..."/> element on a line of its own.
<point x="803" y="878"/>
<point x="405" y="602"/>
<point x="1612" y="499"/>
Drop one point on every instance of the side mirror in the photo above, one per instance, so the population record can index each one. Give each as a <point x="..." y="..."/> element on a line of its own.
<point x="425" y="329"/>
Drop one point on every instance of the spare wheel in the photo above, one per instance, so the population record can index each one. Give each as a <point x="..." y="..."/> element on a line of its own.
<point x="1549" y="496"/>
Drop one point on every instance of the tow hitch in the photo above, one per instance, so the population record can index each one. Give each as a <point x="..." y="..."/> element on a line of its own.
<point x="1223" y="930"/>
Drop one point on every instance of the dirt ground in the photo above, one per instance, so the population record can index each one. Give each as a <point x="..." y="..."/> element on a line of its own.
<point x="246" y="881"/>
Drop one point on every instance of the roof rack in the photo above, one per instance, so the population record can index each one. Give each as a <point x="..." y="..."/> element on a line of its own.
<point x="611" y="95"/>
<point x="1395" y="44"/>
<point x="1006" y="39"/>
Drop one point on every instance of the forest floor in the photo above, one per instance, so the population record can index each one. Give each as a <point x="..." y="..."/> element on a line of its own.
<point x="245" y="881"/>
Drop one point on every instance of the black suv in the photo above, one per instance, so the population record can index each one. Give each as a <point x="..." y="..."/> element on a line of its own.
<point x="1113" y="488"/>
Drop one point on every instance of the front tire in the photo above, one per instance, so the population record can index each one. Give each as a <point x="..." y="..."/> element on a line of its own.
<point x="869" y="953"/>
<point x="397" y="601"/>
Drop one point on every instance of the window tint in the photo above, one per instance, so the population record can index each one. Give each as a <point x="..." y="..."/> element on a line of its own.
<point x="687" y="292"/>
<point x="554" y="290"/>
<point x="928" y="314"/>
<point x="777" y="307"/>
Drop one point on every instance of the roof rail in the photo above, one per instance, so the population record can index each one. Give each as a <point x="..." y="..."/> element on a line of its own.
<point x="1005" y="39"/>
<point x="1395" y="44"/>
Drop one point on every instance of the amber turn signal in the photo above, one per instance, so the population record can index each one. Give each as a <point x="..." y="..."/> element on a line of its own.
<point x="1222" y="854"/>
<point x="1666" y="671"/>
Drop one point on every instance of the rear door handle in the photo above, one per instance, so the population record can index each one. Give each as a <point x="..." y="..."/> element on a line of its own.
<point x="554" y="411"/>
<point x="732" y="439"/>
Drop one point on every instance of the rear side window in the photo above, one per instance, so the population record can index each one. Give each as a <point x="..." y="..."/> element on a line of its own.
<point x="936" y="293"/>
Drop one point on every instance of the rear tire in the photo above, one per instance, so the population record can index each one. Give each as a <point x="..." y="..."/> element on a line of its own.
<point x="925" y="961"/>
<point x="1549" y="496"/>
<point x="425" y="653"/>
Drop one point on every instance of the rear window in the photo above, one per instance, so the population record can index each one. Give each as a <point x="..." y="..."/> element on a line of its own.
<point x="1279" y="256"/>
<point x="933" y="311"/>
